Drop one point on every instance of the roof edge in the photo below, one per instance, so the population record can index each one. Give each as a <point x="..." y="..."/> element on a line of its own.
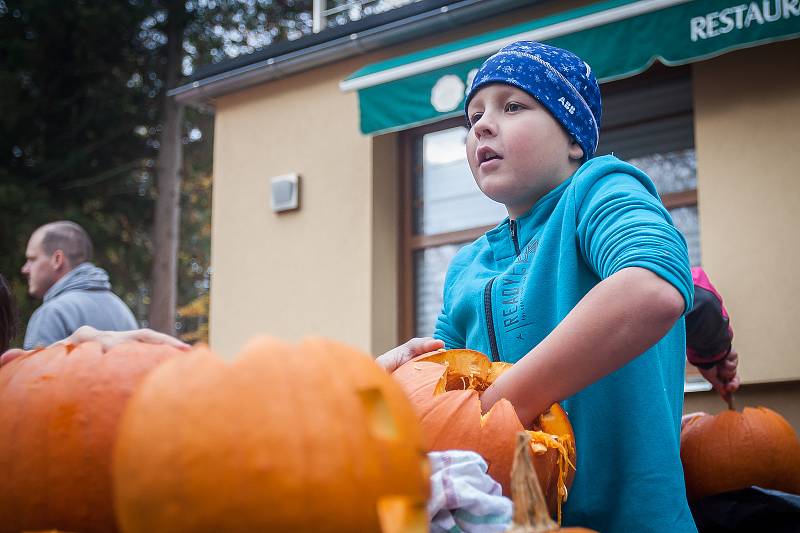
<point x="199" y="91"/>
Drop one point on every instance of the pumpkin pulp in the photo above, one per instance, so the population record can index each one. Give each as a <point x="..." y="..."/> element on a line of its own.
<point x="549" y="431"/>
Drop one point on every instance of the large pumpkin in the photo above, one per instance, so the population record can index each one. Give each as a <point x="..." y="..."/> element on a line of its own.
<point x="309" y="437"/>
<point x="444" y="388"/>
<point x="734" y="450"/>
<point x="58" y="421"/>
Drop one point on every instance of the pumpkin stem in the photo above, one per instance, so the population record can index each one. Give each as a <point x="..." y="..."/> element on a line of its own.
<point x="530" y="507"/>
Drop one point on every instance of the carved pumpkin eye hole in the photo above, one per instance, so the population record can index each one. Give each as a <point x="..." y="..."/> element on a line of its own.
<point x="402" y="514"/>
<point x="379" y="417"/>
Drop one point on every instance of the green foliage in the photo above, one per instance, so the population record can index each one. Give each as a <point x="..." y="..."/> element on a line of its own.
<point x="80" y="118"/>
<point x="68" y="149"/>
<point x="194" y="253"/>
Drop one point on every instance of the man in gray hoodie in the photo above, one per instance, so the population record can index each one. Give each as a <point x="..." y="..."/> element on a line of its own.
<point x="75" y="292"/>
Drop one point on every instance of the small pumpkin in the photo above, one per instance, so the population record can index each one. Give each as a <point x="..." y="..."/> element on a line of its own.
<point x="309" y="437"/>
<point x="60" y="411"/>
<point x="734" y="450"/>
<point x="444" y="388"/>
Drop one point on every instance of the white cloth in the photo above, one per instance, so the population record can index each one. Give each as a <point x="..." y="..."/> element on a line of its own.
<point x="464" y="498"/>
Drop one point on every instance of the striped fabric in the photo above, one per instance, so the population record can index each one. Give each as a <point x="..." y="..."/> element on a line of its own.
<point x="463" y="496"/>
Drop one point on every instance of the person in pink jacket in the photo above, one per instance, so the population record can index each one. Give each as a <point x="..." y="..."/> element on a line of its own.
<point x="709" y="337"/>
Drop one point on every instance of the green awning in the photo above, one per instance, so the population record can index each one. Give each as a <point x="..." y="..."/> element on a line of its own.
<point x="618" y="38"/>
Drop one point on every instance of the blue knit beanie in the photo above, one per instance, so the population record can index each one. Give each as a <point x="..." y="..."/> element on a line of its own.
<point x="557" y="78"/>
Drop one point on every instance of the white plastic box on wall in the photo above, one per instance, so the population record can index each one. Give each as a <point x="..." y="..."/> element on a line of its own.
<point x="285" y="193"/>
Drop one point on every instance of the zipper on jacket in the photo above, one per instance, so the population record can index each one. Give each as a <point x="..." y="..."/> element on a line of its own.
<point x="487" y="305"/>
<point x="512" y="224"/>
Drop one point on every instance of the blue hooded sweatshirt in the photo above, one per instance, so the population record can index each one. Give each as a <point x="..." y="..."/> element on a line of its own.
<point x="505" y="292"/>
<point x="82" y="297"/>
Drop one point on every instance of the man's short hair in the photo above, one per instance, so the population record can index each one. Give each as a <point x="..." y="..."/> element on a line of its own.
<point x="68" y="237"/>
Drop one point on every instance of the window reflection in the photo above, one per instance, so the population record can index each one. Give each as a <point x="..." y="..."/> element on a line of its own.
<point x="430" y="267"/>
<point x="685" y="219"/>
<point x="671" y="171"/>
<point x="674" y="172"/>
<point x="446" y="197"/>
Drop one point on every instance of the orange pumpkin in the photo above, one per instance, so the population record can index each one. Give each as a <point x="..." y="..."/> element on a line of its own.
<point x="734" y="450"/>
<point x="59" y="416"/>
<point x="444" y="388"/>
<point x="308" y="437"/>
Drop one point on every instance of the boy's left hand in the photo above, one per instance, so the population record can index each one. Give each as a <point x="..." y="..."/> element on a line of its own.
<point x="395" y="357"/>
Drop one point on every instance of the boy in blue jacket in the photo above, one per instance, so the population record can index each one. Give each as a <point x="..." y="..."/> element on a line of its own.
<point x="583" y="287"/>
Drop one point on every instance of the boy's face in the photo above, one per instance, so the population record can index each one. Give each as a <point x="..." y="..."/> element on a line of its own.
<point x="516" y="150"/>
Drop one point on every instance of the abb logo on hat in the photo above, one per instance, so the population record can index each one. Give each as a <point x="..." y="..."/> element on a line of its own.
<point x="567" y="105"/>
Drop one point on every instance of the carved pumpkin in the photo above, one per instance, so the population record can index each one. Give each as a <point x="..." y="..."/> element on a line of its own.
<point x="444" y="388"/>
<point x="308" y="437"/>
<point x="734" y="450"/>
<point x="60" y="411"/>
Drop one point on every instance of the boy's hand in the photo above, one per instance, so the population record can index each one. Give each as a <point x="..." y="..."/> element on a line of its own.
<point x="723" y="376"/>
<point x="395" y="357"/>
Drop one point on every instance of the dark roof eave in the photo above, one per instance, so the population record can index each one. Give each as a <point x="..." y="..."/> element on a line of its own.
<point x="199" y="91"/>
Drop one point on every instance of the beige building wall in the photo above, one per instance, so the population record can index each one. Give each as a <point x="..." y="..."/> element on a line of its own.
<point x="305" y="272"/>
<point x="385" y="230"/>
<point x="747" y="110"/>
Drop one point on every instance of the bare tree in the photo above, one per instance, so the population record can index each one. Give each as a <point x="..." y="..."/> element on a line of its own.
<point x="166" y="226"/>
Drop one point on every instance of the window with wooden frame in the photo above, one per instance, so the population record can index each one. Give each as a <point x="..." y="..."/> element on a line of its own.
<point x="442" y="209"/>
<point x="647" y="120"/>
